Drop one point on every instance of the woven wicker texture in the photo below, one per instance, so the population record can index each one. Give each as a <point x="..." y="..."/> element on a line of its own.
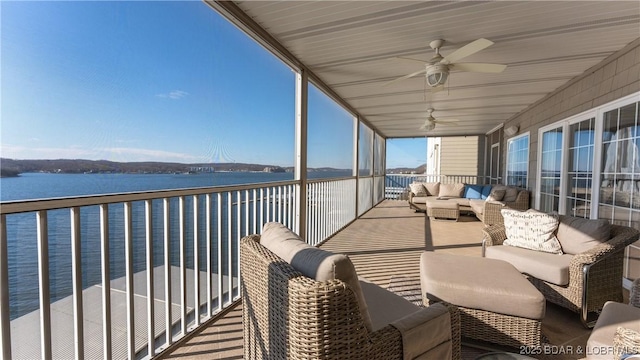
<point x="605" y="272"/>
<point x="625" y="342"/>
<point x="440" y="213"/>
<point x="634" y="293"/>
<point x="492" y="214"/>
<point x="499" y="328"/>
<point x="289" y="316"/>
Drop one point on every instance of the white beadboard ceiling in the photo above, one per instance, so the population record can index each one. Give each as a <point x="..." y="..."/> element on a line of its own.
<point x="351" y="45"/>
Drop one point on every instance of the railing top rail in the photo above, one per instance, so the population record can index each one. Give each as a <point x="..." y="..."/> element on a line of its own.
<point x="311" y="181"/>
<point x="432" y="175"/>
<point x="21" y="206"/>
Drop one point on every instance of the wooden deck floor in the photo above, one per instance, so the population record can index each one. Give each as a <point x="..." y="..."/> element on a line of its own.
<point x="388" y="241"/>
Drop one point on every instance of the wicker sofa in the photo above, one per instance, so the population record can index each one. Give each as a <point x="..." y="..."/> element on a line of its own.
<point x="617" y="329"/>
<point x="588" y="272"/>
<point x="301" y="302"/>
<point x="485" y="201"/>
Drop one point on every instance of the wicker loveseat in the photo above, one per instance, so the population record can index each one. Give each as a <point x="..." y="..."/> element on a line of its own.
<point x="585" y="276"/>
<point x="301" y="302"/>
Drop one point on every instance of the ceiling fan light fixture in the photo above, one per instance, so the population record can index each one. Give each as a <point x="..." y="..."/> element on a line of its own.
<point x="437" y="74"/>
<point x="428" y="126"/>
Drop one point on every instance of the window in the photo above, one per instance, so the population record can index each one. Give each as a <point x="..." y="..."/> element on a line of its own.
<point x="330" y="131"/>
<point x="518" y="161"/>
<point x="365" y="158"/>
<point x="550" y="169"/>
<point x="379" y="147"/>
<point x="620" y="166"/>
<point x="580" y="168"/>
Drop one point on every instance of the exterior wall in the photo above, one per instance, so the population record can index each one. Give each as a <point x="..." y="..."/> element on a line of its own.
<point x="462" y="155"/>
<point x="433" y="156"/>
<point x="615" y="77"/>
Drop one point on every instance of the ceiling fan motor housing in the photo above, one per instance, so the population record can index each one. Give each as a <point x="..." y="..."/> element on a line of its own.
<point x="428" y="126"/>
<point x="437" y="74"/>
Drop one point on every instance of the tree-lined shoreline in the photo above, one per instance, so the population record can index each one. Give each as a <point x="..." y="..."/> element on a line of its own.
<point x="13" y="167"/>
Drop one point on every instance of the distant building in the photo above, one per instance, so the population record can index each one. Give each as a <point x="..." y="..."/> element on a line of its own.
<point x="273" y="169"/>
<point x="201" y="169"/>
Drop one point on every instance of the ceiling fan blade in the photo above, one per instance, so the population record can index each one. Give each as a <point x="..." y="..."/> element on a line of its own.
<point x="469" y="49"/>
<point x="405" y="77"/>
<point x="479" y="67"/>
<point x="446" y="122"/>
<point x="409" y="59"/>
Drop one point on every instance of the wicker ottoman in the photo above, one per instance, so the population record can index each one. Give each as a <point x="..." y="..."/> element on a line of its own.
<point x="497" y="304"/>
<point x="443" y="209"/>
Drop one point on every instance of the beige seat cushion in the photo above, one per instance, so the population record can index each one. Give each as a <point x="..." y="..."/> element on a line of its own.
<point x="451" y="190"/>
<point x="421" y="199"/>
<point x="421" y="330"/>
<point x="384" y="306"/>
<point x="613" y="315"/>
<point x="462" y="201"/>
<point x="496" y="194"/>
<point x="577" y="235"/>
<point x="549" y="267"/>
<point x="313" y="262"/>
<point x="510" y="193"/>
<point x="479" y="283"/>
<point x="432" y="188"/>
<point x="477" y="206"/>
<point x="442" y="204"/>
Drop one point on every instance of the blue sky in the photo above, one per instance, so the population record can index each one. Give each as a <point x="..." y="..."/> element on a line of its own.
<point x="151" y="81"/>
<point x="406" y="152"/>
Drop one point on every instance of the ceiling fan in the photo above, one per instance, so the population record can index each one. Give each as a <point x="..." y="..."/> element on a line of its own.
<point x="438" y="67"/>
<point x="430" y="122"/>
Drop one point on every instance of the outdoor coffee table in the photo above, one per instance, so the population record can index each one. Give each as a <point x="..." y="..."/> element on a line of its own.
<point x="497" y="303"/>
<point x="438" y="209"/>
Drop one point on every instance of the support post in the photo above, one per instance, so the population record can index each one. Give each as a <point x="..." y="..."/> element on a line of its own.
<point x="302" y="87"/>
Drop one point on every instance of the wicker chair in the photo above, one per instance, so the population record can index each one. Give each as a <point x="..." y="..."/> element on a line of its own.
<point x="594" y="275"/>
<point x="492" y="209"/>
<point x="290" y="316"/>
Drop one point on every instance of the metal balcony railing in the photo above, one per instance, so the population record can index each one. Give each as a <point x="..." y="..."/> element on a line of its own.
<point x="127" y="275"/>
<point x="396" y="185"/>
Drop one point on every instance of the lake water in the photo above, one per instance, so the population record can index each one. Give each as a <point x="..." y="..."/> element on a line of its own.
<point x="22" y="239"/>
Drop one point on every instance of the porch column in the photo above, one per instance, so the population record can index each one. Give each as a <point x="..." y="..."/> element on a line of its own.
<point x="356" y="161"/>
<point x="301" y="151"/>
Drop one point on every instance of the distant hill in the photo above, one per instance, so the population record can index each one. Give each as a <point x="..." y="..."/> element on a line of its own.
<point x="12" y="167"/>
<point x="403" y="170"/>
